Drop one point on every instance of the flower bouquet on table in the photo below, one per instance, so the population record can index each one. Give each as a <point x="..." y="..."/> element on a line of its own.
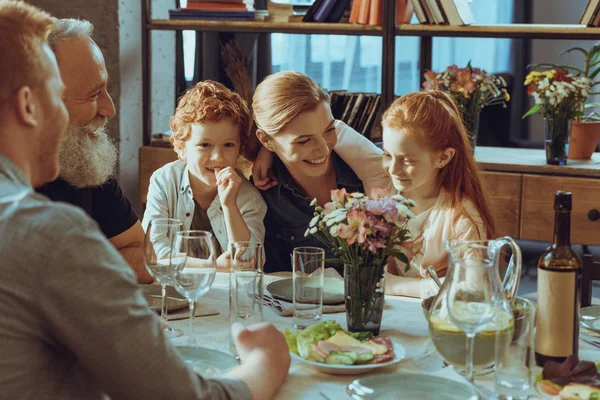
<point x="558" y="96"/>
<point x="362" y="232"/>
<point x="472" y="89"/>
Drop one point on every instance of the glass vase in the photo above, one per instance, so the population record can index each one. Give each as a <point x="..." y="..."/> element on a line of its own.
<point x="557" y="136"/>
<point x="471" y="122"/>
<point x="364" y="290"/>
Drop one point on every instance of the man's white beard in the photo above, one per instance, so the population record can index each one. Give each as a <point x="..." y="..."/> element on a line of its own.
<point x="87" y="161"/>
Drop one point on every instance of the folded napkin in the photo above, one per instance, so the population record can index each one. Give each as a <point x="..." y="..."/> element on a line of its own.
<point x="199" y="311"/>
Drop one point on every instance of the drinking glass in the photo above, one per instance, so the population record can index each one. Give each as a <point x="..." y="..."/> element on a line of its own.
<point x="194" y="279"/>
<point x="471" y="296"/>
<point x="246" y="285"/>
<point x="308" y="270"/>
<point x="514" y="357"/>
<point x="158" y="246"/>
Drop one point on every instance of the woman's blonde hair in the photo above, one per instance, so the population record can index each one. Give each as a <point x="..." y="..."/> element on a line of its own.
<point x="282" y="96"/>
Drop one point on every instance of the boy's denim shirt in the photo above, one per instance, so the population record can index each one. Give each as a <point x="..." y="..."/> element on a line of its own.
<point x="289" y="212"/>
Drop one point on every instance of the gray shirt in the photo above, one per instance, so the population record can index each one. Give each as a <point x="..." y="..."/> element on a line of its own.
<point x="73" y="322"/>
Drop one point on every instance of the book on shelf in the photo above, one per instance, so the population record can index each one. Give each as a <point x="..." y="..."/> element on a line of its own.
<point x="404" y="11"/>
<point x="280" y="12"/>
<point x="233" y="10"/>
<point x="363" y="12"/>
<point x="590" y="13"/>
<point x="358" y="110"/>
<point x="324" y="10"/>
<point x="216" y="15"/>
<point x="419" y="11"/>
<point x="452" y="12"/>
<point x="375" y="10"/>
<point x="339" y="11"/>
<point x="438" y="17"/>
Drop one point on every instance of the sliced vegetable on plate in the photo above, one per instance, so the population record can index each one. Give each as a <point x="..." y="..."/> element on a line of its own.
<point x="328" y="343"/>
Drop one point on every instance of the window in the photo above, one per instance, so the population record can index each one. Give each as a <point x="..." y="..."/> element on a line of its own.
<point x="353" y="63"/>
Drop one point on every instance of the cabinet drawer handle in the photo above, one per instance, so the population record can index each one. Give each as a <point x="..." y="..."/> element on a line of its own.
<point x="593" y="215"/>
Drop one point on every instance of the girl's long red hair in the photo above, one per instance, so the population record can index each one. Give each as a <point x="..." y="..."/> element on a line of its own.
<point x="433" y="119"/>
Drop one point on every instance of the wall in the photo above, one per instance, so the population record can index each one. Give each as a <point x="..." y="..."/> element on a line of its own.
<point x="549" y="51"/>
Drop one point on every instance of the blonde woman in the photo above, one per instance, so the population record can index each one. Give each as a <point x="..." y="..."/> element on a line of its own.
<point x="296" y="128"/>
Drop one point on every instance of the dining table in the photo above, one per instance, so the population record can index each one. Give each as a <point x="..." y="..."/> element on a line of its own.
<point x="403" y="321"/>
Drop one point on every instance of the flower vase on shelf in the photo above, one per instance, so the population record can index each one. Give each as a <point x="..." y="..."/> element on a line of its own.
<point x="364" y="289"/>
<point x="557" y="135"/>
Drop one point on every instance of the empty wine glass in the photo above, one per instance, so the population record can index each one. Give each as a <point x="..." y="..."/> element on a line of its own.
<point x="160" y="263"/>
<point x="472" y="294"/>
<point x="197" y="274"/>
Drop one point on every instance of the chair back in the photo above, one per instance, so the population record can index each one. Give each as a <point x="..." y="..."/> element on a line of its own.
<point x="591" y="272"/>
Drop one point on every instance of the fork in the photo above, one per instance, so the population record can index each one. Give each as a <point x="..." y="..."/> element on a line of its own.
<point x="594" y="343"/>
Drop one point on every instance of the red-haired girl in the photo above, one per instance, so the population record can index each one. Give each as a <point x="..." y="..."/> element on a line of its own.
<point x="429" y="160"/>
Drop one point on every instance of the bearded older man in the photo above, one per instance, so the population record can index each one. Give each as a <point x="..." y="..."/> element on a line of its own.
<point x="87" y="156"/>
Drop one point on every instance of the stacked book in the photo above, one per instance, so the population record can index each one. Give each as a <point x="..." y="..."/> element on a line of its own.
<point x="358" y="110"/>
<point x="591" y="14"/>
<point x="326" y="11"/>
<point x="450" y="12"/>
<point x="369" y="12"/>
<point x="233" y="10"/>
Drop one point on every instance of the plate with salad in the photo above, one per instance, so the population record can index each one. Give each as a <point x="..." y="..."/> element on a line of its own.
<point x="330" y="349"/>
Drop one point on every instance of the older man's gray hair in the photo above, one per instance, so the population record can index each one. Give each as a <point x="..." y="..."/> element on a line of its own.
<point x="69" y="28"/>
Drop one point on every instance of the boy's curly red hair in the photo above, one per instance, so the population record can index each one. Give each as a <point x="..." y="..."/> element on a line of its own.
<point x="208" y="101"/>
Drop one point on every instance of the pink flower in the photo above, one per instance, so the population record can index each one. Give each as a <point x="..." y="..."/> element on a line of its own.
<point x="377" y="193"/>
<point x="329" y="207"/>
<point x="356" y="229"/>
<point x="463" y="84"/>
<point x="338" y="196"/>
<point x="431" y="80"/>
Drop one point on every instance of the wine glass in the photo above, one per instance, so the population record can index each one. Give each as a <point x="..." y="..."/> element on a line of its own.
<point x="472" y="295"/>
<point x="198" y="272"/>
<point x="160" y="263"/>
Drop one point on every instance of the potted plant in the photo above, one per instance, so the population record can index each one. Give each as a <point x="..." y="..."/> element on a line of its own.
<point x="472" y="89"/>
<point x="585" y="131"/>
<point x="558" y="96"/>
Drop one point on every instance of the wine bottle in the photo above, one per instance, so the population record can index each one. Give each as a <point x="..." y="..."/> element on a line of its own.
<point x="559" y="288"/>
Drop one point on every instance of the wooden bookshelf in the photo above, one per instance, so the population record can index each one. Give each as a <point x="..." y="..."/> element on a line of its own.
<point x="307" y="28"/>
<point x="512" y="31"/>
<point x="389" y="32"/>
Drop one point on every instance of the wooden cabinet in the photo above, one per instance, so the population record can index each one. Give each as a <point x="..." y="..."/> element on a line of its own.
<point x="522" y="188"/>
<point x="505" y="196"/>
<point x="537" y="215"/>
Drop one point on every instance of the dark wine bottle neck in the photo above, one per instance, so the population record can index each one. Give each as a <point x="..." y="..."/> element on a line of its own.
<point x="562" y="228"/>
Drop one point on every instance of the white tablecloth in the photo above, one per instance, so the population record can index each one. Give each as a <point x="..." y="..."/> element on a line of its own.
<point x="403" y="321"/>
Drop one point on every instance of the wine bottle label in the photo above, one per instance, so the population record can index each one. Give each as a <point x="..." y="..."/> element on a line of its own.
<point x="556" y="313"/>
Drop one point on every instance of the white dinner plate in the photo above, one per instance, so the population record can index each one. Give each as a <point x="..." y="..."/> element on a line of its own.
<point x="333" y="369"/>
<point x="409" y="387"/>
<point x="589" y="318"/>
<point x="207" y="362"/>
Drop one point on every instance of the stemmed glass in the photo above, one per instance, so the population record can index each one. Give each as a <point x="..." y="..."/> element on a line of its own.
<point x="160" y="262"/>
<point x="472" y="295"/>
<point x="197" y="275"/>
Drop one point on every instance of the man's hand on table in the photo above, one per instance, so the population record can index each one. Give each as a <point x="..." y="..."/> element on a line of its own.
<point x="265" y="358"/>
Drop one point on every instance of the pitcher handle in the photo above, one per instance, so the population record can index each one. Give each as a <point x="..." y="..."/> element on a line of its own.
<point x="512" y="276"/>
